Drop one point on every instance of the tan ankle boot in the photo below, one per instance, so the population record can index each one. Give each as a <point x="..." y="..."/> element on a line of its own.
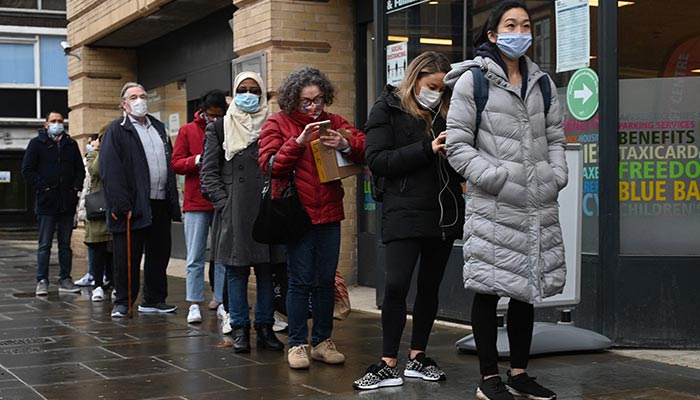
<point x="327" y="353"/>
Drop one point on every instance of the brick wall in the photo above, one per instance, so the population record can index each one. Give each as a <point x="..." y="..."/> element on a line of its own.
<point x="89" y="20"/>
<point x="295" y="34"/>
<point x="292" y="33"/>
<point x="96" y="81"/>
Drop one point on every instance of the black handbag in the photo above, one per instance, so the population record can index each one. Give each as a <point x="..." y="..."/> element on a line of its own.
<point x="280" y="220"/>
<point x="95" y="206"/>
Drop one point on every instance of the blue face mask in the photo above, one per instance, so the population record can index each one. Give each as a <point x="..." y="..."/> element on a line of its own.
<point x="514" y="45"/>
<point x="247" y="102"/>
<point x="55" y="130"/>
<point x="88" y="148"/>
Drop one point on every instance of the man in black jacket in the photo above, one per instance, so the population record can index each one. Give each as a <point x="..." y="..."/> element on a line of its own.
<point x="52" y="165"/>
<point x="140" y="195"/>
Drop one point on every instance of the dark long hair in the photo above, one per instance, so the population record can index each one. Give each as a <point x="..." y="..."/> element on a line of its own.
<point x="482" y="36"/>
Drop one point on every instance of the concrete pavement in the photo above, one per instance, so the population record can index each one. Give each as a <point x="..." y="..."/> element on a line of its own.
<point x="65" y="347"/>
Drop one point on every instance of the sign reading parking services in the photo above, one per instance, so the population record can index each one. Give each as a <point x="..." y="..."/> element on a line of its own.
<point x="582" y="94"/>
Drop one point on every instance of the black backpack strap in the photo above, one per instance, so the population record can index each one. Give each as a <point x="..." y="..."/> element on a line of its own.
<point x="481" y="95"/>
<point x="546" y="90"/>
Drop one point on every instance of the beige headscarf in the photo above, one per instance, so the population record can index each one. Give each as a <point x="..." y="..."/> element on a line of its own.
<point x="241" y="129"/>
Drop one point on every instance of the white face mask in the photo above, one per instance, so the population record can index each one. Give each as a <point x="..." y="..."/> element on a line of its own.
<point x="428" y="98"/>
<point x="139" y="108"/>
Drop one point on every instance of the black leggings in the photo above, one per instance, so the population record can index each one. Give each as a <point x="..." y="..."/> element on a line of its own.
<point x="101" y="263"/>
<point x="401" y="258"/>
<point x="485" y="325"/>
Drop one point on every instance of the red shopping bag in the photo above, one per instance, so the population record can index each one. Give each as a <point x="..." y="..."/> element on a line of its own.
<point x="341" y="310"/>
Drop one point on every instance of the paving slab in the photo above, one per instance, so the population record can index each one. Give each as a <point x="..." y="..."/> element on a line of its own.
<point x="65" y="347"/>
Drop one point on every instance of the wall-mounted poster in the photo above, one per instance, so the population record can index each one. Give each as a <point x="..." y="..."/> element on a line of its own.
<point x="396" y="62"/>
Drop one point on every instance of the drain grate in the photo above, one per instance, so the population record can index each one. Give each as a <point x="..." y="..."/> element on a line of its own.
<point x="33" y="340"/>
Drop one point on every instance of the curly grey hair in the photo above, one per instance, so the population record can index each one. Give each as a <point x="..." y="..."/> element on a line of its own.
<point x="288" y="94"/>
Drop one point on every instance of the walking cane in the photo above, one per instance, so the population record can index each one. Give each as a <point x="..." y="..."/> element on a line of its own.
<point x="128" y="258"/>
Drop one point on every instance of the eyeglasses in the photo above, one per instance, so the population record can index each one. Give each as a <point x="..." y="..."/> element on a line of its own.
<point x="318" y="100"/>
<point x="211" y="117"/>
<point x="254" y="90"/>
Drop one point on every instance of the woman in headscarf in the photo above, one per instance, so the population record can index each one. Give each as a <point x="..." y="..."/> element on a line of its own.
<point x="233" y="181"/>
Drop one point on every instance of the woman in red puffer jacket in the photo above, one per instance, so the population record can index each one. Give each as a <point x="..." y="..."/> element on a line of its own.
<point x="312" y="261"/>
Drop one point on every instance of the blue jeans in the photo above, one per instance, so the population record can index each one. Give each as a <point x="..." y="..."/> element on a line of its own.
<point x="311" y="265"/>
<point x="238" y="295"/>
<point x="196" y="231"/>
<point x="219" y="282"/>
<point x="62" y="224"/>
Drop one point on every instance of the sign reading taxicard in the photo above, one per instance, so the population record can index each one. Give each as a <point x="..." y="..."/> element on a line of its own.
<point x="398" y="5"/>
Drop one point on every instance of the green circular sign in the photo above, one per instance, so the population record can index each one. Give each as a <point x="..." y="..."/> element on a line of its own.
<point x="582" y="94"/>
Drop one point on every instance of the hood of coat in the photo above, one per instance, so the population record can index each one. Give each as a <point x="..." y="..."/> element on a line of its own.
<point x="199" y="120"/>
<point x="489" y="65"/>
<point x="390" y="96"/>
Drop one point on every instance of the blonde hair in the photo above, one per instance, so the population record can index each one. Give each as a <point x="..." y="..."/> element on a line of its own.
<point x="426" y="63"/>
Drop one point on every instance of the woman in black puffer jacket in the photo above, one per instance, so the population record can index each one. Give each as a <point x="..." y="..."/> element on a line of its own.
<point x="422" y="211"/>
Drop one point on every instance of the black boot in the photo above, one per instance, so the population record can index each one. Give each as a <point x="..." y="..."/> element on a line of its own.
<point x="267" y="338"/>
<point x="241" y="339"/>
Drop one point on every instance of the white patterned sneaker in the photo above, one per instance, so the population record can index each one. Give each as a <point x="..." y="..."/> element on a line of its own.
<point x="378" y="376"/>
<point x="86" y="280"/>
<point x="425" y="368"/>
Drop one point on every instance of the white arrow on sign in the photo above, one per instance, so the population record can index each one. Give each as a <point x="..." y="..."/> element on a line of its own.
<point x="584" y="93"/>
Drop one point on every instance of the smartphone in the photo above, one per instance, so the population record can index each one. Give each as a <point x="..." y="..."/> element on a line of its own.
<point x="323" y="128"/>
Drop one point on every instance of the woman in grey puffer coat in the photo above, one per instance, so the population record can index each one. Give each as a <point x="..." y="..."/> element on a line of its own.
<point x="515" y="167"/>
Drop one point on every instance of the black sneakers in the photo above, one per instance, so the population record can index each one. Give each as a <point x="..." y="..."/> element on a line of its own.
<point x="425" y="368"/>
<point x="525" y="386"/>
<point x="493" y="389"/>
<point x="156" y="308"/>
<point x="378" y="376"/>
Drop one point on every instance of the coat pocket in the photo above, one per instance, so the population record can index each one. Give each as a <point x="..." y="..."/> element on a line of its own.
<point x="48" y="199"/>
<point x="513" y="194"/>
<point x="547" y="183"/>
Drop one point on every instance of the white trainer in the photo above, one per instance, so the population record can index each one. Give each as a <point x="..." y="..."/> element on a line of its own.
<point x="86" y="280"/>
<point x="226" y="327"/>
<point x="98" y="294"/>
<point x="194" y="316"/>
<point x="220" y="311"/>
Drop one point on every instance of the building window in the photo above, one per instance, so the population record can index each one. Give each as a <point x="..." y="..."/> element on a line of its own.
<point x="33" y="76"/>
<point x="543" y="45"/>
<point x="54" y="66"/>
<point x="16" y="63"/>
<point x="50" y="5"/>
<point x="659" y="132"/>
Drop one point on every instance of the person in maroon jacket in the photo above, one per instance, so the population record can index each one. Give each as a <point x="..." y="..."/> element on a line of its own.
<point x="198" y="211"/>
<point x="312" y="261"/>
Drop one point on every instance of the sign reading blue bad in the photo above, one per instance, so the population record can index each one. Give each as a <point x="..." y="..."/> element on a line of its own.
<point x="398" y="5"/>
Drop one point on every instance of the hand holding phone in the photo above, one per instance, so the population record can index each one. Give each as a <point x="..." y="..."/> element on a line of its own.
<point x="439" y="143"/>
<point x="323" y="128"/>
